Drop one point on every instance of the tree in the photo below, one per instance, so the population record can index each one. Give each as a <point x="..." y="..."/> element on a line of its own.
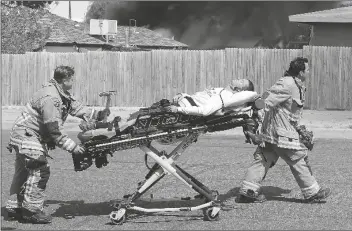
<point x="32" y="4"/>
<point x="21" y="30"/>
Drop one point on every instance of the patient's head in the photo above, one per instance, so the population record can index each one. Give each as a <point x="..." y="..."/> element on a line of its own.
<point x="237" y="85"/>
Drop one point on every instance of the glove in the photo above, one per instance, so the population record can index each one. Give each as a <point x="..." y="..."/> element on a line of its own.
<point x="306" y="136"/>
<point x="51" y="145"/>
<point x="78" y="150"/>
<point x="80" y="161"/>
<point x="250" y="131"/>
<point x="86" y="126"/>
<point x="255" y="138"/>
<point x="172" y="109"/>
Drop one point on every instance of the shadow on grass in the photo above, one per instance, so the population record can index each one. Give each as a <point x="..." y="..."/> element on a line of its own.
<point x="7" y="228"/>
<point x="271" y="193"/>
<point x="71" y="209"/>
<point x="80" y="208"/>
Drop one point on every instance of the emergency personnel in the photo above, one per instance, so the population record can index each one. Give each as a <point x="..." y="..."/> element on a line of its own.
<point x="280" y="137"/>
<point x="38" y="129"/>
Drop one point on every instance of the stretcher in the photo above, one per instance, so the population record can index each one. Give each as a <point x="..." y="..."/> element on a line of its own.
<point x="155" y="124"/>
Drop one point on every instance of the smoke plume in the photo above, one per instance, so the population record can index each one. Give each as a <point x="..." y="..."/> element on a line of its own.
<point x="204" y="25"/>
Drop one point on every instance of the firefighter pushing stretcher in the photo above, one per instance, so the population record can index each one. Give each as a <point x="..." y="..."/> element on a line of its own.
<point x="38" y="129"/>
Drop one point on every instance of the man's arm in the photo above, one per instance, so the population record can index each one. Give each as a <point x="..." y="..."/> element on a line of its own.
<point x="85" y="113"/>
<point x="53" y="123"/>
<point x="278" y="93"/>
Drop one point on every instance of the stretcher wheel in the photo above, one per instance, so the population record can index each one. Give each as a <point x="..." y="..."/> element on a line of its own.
<point x="208" y="216"/>
<point x="118" y="217"/>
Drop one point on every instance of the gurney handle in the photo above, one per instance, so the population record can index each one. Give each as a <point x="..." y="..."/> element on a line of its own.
<point x="108" y="101"/>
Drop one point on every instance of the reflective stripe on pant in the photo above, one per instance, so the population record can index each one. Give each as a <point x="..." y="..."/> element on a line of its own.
<point x="18" y="183"/>
<point x="266" y="157"/>
<point x="29" y="183"/>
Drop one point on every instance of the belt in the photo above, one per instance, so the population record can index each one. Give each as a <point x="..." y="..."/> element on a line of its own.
<point x="191" y="101"/>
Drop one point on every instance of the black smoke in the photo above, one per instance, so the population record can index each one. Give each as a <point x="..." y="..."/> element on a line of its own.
<point x="204" y="25"/>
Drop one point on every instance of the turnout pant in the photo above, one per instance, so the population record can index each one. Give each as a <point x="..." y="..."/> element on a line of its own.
<point x="266" y="157"/>
<point x="29" y="183"/>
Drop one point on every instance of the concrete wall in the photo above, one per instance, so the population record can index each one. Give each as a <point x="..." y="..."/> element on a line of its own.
<point x="332" y="34"/>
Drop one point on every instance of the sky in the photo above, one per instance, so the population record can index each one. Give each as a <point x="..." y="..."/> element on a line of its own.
<point x="78" y="9"/>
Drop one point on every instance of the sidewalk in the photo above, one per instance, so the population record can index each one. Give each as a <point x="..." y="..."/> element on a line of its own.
<point x="324" y="124"/>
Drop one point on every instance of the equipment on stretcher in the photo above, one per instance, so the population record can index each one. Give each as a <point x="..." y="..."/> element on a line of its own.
<point x="155" y="124"/>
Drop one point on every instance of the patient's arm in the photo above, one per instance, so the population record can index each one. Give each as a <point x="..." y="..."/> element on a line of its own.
<point x="239" y="98"/>
<point x="212" y="105"/>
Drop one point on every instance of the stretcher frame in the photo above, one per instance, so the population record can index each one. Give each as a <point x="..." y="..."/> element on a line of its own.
<point x="165" y="165"/>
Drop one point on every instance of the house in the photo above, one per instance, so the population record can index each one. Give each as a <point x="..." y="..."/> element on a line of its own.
<point x="142" y="38"/>
<point x="329" y="27"/>
<point x="64" y="35"/>
<point x="68" y="36"/>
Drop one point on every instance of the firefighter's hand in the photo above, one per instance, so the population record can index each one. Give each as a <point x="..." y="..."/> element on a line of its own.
<point x="172" y="109"/>
<point x="256" y="138"/>
<point x="86" y="126"/>
<point x="78" y="150"/>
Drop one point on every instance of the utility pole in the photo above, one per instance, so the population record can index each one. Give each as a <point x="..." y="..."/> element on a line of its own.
<point x="69" y="10"/>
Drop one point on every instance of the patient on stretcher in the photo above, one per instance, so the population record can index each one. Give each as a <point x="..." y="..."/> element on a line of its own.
<point x="214" y="101"/>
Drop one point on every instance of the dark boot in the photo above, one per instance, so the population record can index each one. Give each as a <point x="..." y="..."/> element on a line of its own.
<point x="16" y="213"/>
<point x="250" y="197"/>
<point x="319" y="196"/>
<point x="36" y="217"/>
<point x="244" y="199"/>
<point x="13" y="214"/>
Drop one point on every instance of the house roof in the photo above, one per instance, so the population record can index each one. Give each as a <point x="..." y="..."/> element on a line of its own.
<point x="144" y="37"/>
<point x="337" y="15"/>
<point x="67" y="31"/>
<point x="64" y="30"/>
<point x="141" y="37"/>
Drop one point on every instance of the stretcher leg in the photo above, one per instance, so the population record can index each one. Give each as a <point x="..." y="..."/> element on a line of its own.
<point x="157" y="172"/>
<point x="204" y="190"/>
<point x="165" y="165"/>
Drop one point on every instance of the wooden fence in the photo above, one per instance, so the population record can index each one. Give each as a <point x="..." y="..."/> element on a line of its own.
<point x="330" y="82"/>
<point x="141" y="78"/>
